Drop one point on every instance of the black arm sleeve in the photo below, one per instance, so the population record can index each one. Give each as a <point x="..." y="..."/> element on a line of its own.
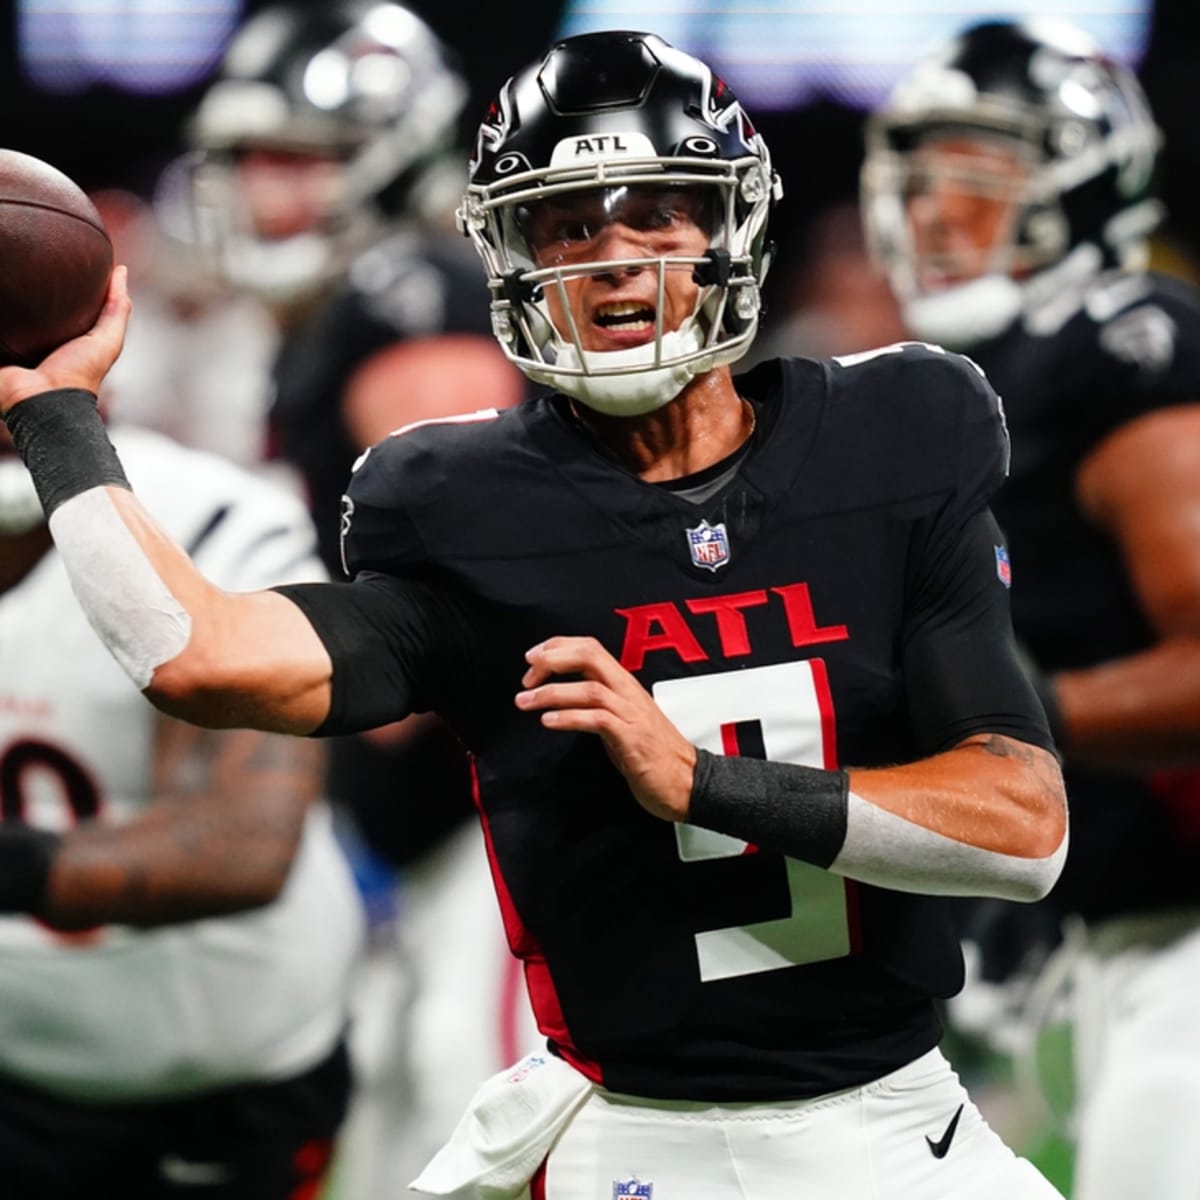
<point x="962" y="672"/>
<point x="396" y="646"/>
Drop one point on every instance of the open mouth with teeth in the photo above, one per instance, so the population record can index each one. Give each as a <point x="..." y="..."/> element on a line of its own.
<point x="625" y="317"/>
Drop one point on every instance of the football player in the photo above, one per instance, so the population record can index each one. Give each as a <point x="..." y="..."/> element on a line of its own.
<point x="1009" y="191"/>
<point x="326" y="180"/>
<point x="663" y="610"/>
<point x="179" y="925"/>
<point x="326" y="158"/>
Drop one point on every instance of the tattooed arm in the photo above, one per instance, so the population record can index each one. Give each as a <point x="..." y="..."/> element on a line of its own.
<point x="990" y="791"/>
<point x="985" y="818"/>
<point x="220" y="837"/>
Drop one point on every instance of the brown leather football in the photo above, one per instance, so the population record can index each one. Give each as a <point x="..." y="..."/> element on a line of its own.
<point x="55" y="259"/>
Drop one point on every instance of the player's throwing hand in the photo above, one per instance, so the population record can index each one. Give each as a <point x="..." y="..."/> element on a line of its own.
<point x="80" y="363"/>
<point x="658" y="762"/>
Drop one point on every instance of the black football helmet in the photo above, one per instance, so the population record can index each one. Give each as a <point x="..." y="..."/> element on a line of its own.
<point x="363" y="83"/>
<point x="1082" y="126"/>
<point x="605" y="112"/>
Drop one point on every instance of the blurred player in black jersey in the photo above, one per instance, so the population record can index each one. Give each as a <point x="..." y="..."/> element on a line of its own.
<point x="1009" y="191"/>
<point x="661" y="610"/>
<point x="328" y="169"/>
<point x="327" y="174"/>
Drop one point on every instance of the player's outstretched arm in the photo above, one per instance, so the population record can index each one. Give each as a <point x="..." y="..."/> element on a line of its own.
<point x="987" y="818"/>
<point x="200" y="850"/>
<point x="199" y="653"/>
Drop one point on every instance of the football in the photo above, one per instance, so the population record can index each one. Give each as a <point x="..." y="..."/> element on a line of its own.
<point x="55" y="259"/>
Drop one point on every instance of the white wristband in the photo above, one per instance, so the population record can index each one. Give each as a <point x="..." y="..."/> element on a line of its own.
<point x="886" y="850"/>
<point x="126" y="601"/>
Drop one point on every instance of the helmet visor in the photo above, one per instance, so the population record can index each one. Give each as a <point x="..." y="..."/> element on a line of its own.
<point x="639" y="220"/>
<point x="652" y="236"/>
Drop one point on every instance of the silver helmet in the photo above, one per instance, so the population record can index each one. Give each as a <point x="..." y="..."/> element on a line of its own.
<point x="361" y="87"/>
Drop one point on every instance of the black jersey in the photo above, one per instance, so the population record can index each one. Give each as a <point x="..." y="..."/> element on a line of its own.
<point x="842" y="599"/>
<point x="1133" y="346"/>
<point x="408" y="285"/>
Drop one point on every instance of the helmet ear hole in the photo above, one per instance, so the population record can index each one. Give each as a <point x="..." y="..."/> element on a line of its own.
<point x="1048" y="233"/>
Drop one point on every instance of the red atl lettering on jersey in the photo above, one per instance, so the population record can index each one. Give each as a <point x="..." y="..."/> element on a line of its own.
<point x="663" y="626"/>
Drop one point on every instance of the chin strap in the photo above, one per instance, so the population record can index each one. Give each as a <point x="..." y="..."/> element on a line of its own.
<point x="621" y="383"/>
<point x="961" y="316"/>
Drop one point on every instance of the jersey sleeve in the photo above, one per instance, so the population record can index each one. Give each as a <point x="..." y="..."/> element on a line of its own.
<point x="982" y="450"/>
<point x="403" y="635"/>
<point x="397" y="646"/>
<point x="962" y="672"/>
<point x="961" y="668"/>
<point x="936" y="424"/>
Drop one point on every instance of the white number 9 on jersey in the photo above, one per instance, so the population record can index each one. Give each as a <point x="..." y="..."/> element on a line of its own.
<point x="783" y="713"/>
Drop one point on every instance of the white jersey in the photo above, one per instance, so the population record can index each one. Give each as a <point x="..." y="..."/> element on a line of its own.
<point x="123" y="1013"/>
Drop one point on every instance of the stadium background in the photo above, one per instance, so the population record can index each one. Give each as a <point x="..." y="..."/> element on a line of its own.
<point x="102" y="87"/>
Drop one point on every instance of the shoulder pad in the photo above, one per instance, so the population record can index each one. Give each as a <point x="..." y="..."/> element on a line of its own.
<point x="394" y="483"/>
<point x="935" y="406"/>
<point x="408" y="282"/>
<point x="1134" y="348"/>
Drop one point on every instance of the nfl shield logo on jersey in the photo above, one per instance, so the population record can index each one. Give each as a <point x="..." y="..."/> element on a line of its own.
<point x="1003" y="566"/>
<point x="709" y="545"/>
<point x="631" y="1189"/>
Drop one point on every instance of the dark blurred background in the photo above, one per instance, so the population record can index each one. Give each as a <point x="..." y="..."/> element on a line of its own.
<point x="103" y="90"/>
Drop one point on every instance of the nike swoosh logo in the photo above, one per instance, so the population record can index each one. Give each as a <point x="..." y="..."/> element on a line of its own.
<point x="941" y="1147"/>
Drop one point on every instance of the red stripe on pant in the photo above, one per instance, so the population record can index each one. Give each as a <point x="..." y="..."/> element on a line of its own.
<point x="537" y="1185"/>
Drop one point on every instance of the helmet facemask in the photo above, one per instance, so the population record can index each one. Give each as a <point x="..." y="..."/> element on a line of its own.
<point x="960" y="217"/>
<point x="259" y="246"/>
<point x="512" y="224"/>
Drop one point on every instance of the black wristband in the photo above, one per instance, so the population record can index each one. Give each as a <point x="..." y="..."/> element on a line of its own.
<point x="26" y="856"/>
<point x="63" y="442"/>
<point x="797" y="811"/>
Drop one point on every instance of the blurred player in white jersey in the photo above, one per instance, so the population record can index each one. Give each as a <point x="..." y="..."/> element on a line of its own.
<point x="172" y="1013"/>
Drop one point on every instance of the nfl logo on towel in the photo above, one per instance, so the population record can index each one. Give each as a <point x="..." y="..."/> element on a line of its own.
<point x="1003" y="566"/>
<point x="631" y="1189"/>
<point x="709" y="545"/>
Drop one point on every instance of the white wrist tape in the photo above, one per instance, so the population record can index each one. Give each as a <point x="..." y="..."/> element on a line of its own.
<point x="886" y="850"/>
<point x="126" y="601"/>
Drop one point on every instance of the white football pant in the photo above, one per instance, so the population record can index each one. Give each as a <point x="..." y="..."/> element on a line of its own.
<point x="912" y="1135"/>
<point x="1137" y="994"/>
